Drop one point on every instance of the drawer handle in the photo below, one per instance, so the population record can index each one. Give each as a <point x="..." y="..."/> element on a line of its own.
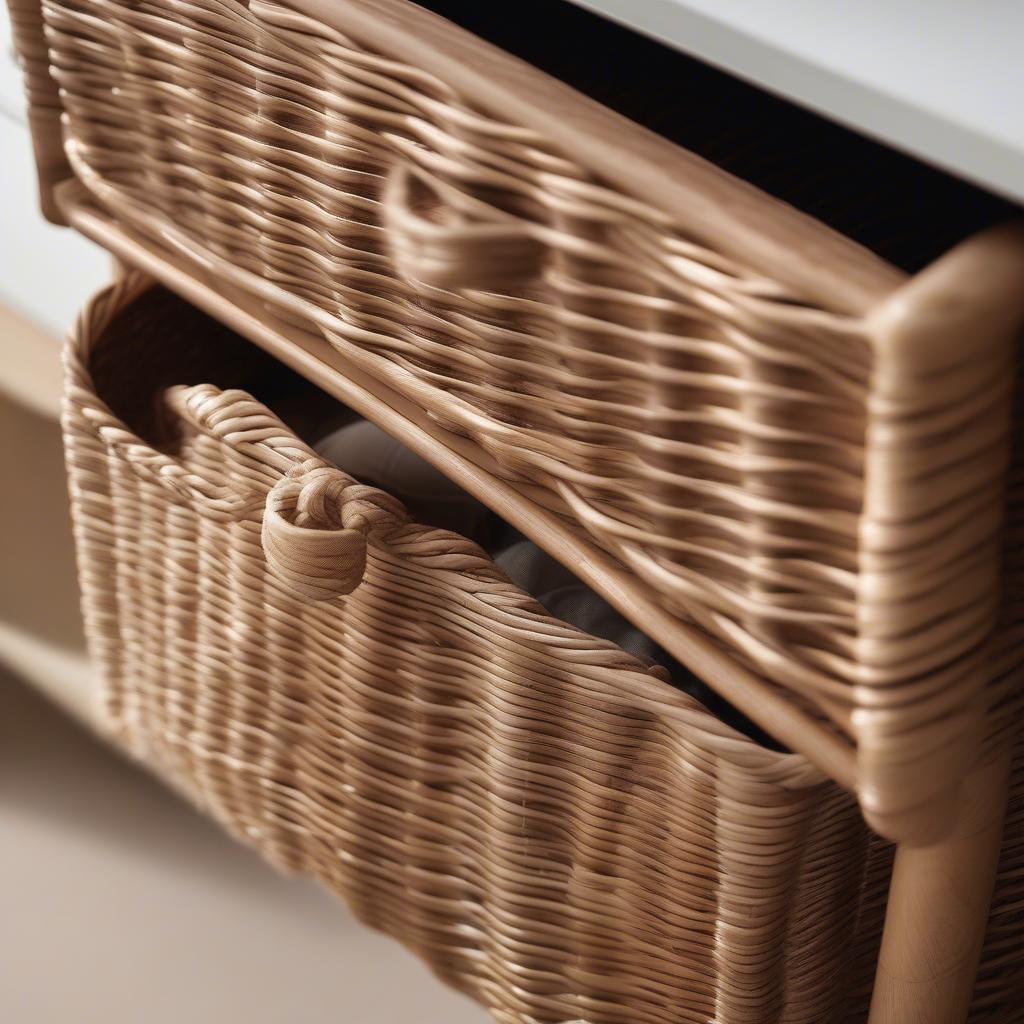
<point x="315" y="526"/>
<point x="201" y="407"/>
<point x="441" y="237"/>
<point x="316" y="519"/>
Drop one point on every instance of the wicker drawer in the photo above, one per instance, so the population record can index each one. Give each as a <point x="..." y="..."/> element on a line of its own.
<point x="724" y="394"/>
<point x="557" y="831"/>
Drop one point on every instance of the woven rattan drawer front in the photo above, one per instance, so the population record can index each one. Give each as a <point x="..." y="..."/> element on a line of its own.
<point x="692" y="375"/>
<point x="559" y="832"/>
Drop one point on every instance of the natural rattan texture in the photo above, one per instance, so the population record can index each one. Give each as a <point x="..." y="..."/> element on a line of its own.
<point x="827" y="507"/>
<point x="560" y="833"/>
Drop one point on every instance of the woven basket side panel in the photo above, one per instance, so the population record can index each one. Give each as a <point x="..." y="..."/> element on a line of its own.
<point x="696" y="420"/>
<point x="1009" y="642"/>
<point x="556" y="832"/>
<point x="870" y="920"/>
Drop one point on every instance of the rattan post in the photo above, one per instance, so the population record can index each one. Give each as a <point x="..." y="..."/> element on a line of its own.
<point x="962" y="313"/>
<point x="932" y="531"/>
<point x="938" y="908"/>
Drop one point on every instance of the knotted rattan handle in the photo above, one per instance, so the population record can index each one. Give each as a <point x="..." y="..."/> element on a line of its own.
<point x="315" y="527"/>
<point x="443" y="237"/>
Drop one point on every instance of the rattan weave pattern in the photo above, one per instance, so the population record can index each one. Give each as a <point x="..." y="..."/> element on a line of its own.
<point x="715" y="431"/>
<point x="557" y="831"/>
<point x="665" y="394"/>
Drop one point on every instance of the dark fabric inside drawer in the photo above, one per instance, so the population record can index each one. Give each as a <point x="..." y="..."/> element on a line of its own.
<point x="903" y="210"/>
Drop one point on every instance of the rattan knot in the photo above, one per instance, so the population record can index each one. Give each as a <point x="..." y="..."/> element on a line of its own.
<point x="314" y="538"/>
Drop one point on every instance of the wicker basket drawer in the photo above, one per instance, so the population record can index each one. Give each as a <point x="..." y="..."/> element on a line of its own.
<point x="368" y="701"/>
<point x="718" y="390"/>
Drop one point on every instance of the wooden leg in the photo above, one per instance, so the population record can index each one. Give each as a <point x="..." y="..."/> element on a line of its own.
<point x="938" y="909"/>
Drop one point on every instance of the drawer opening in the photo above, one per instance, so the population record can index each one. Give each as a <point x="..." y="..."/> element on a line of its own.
<point x="200" y="349"/>
<point x="903" y="210"/>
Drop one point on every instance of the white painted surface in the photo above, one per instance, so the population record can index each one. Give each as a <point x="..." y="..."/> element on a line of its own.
<point x="11" y="104"/>
<point x="941" y="79"/>
<point x="46" y="273"/>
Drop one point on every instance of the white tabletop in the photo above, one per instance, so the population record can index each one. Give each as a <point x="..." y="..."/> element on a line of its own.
<point x="941" y="79"/>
